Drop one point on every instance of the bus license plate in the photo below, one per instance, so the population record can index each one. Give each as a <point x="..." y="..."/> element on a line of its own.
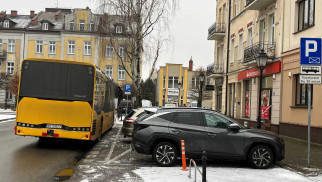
<point x="56" y="126"/>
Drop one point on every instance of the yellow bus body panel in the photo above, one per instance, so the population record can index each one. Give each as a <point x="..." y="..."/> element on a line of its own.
<point x="39" y="111"/>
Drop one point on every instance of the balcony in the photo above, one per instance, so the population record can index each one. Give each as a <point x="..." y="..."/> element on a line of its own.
<point x="216" y="31"/>
<point x="3" y="55"/>
<point x="258" y="4"/>
<point x="251" y="52"/>
<point x="215" y="70"/>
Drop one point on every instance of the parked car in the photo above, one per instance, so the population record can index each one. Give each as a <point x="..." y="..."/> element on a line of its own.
<point x="221" y="137"/>
<point x="122" y="106"/>
<point x="127" y="127"/>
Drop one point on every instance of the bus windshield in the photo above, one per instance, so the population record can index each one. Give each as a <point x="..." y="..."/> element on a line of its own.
<point x="57" y="81"/>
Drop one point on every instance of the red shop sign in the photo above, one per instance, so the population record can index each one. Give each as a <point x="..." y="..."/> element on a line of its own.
<point x="254" y="72"/>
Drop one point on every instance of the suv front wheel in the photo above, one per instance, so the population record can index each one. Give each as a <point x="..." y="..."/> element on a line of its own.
<point x="164" y="154"/>
<point x="261" y="157"/>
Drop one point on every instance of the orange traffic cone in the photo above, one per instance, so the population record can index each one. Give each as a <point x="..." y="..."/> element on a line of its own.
<point x="183" y="152"/>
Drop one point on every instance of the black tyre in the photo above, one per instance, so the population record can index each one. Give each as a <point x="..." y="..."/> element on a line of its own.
<point x="261" y="157"/>
<point x="165" y="154"/>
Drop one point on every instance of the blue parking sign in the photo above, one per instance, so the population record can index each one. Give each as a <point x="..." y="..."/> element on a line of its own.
<point x="310" y="51"/>
<point x="127" y="88"/>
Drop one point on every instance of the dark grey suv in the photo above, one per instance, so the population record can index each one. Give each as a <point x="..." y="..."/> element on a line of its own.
<point x="203" y="130"/>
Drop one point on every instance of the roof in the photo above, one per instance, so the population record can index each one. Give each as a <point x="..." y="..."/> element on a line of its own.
<point x="20" y="21"/>
<point x="57" y="24"/>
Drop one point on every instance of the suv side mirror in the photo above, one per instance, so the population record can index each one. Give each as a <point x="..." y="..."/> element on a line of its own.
<point x="234" y="127"/>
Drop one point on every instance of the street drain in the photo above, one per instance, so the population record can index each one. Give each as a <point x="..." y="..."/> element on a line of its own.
<point x="64" y="174"/>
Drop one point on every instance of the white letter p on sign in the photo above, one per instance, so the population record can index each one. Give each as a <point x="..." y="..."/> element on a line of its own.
<point x="307" y="48"/>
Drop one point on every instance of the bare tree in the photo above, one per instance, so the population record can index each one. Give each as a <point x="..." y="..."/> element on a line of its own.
<point x="5" y="85"/>
<point x="137" y="31"/>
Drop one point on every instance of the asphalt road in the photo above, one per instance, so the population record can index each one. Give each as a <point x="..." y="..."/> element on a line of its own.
<point x="27" y="159"/>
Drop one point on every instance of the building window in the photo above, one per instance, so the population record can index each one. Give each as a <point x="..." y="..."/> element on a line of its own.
<point x="271" y="33"/>
<point x="52" y="47"/>
<point x="71" y="25"/>
<point x="224" y="14"/>
<point x="250" y="37"/>
<point x="45" y="26"/>
<point x="262" y="30"/>
<point x="109" y="51"/>
<point x="301" y="98"/>
<point x="11" y="45"/>
<point x="71" y="47"/>
<point x="121" y="74"/>
<point x="1" y="49"/>
<point x="121" y="51"/>
<point x="195" y="82"/>
<point x="240" y="47"/>
<point x="87" y="48"/>
<point x="81" y="25"/>
<point x="109" y="71"/>
<point x="164" y="82"/>
<point x="306" y="14"/>
<point x="10" y="67"/>
<point x="118" y="29"/>
<point x="92" y="26"/>
<point x="173" y="82"/>
<point x="232" y="51"/>
<point x="9" y="95"/>
<point x="39" y="46"/>
<point x="6" y="24"/>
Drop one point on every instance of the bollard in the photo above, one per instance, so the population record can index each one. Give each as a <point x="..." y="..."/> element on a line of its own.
<point x="204" y="164"/>
<point x="183" y="151"/>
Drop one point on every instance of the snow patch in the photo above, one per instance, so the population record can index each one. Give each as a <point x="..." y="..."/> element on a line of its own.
<point x="229" y="174"/>
<point x="90" y="171"/>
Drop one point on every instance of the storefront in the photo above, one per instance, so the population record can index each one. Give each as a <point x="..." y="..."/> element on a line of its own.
<point x="270" y="95"/>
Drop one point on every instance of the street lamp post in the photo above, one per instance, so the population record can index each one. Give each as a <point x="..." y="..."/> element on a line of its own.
<point x="201" y="80"/>
<point x="261" y="60"/>
<point x="179" y="96"/>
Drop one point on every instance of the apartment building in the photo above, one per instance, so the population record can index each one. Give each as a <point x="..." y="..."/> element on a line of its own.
<point x="69" y="34"/>
<point x="302" y="19"/>
<point x="255" y="25"/>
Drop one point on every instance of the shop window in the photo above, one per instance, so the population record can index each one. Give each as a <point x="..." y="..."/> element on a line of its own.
<point x="301" y="96"/>
<point x="247" y="98"/>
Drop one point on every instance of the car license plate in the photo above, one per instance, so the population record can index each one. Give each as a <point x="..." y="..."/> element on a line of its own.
<point x="56" y="126"/>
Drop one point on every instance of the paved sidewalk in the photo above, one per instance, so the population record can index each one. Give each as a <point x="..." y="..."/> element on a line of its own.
<point x="7" y="114"/>
<point x="296" y="157"/>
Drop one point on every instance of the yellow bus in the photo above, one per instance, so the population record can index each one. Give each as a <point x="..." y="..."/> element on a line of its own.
<point x="64" y="99"/>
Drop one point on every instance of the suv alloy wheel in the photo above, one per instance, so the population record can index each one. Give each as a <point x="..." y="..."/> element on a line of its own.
<point x="164" y="154"/>
<point x="261" y="157"/>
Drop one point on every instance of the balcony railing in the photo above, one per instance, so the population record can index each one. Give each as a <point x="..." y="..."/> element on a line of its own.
<point x="251" y="52"/>
<point x="216" y="31"/>
<point x="215" y="69"/>
<point x="258" y="4"/>
<point x="3" y="55"/>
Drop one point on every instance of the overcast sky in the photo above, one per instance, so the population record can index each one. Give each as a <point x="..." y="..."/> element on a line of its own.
<point x="189" y="28"/>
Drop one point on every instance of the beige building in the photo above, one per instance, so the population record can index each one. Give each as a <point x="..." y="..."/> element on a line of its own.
<point x="169" y="77"/>
<point x="302" y="19"/>
<point x="255" y="25"/>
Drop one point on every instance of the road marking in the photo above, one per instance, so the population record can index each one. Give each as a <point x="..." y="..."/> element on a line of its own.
<point x="117" y="157"/>
<point x="9" y="120"/>
<point x="112" y="147"/>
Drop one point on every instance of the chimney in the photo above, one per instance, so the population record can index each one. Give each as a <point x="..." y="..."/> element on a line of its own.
<point x="105" y="17"/>
<point x="190" y="64"/>
<point x="58" y="15"/>
<point x="32" y="13"/>
<point x="14" y="13"/>
<point x="34" y="20"/>
<point x="2" y="14"/>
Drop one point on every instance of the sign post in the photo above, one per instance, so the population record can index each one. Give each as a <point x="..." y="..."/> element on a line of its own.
<point x="127" y="91"/>
<point x="310" y="70"/>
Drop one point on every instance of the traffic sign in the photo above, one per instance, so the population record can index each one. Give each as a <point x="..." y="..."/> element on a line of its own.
<point x="310" y="79"/>
<point x="127" y="89"/>
<point x="310" y="70"/>
<point x="310" y="51"/>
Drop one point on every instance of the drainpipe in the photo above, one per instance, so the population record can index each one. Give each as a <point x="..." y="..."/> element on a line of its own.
<point x="227" y="61"/>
